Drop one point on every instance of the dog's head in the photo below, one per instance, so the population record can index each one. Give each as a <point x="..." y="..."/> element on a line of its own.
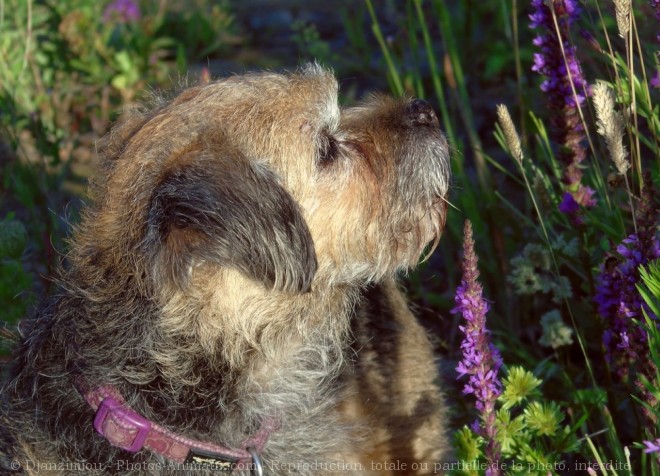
<point x="266" y="175"/>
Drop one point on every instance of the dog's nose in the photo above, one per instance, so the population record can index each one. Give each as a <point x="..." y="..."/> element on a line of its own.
<point x="420" y="112"/>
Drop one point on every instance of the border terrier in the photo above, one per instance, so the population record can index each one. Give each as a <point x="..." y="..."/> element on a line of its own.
<point x="229" y="300"/>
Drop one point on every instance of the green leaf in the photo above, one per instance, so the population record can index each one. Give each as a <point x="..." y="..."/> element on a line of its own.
<point x="519" y="384"/>
<point x="590" y="396"/>
<point x="120" y="82"/>
<point x="124" y="61"/>
<point x="566" y="441"/>
<point x="467" y="444"/>
<point x="543" y="418"/>
<point x="13" y="238"/>
<point x="509" y="431"/>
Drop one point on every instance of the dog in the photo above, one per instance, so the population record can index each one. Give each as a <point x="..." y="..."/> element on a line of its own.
<point x="230" y="298"/>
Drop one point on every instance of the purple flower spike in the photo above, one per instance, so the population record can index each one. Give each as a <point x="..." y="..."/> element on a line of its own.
<point x="122" y="11"/>
<point x="617" y="297"/>
<point x="619" y="301"/>
<point x="566" y="90"/>
<point x="481" y="360"/>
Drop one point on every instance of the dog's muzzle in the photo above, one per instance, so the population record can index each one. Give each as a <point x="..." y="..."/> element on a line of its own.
<point x="420" y="113"/>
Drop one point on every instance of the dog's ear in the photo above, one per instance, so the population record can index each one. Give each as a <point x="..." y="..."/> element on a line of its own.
<point x="231" y="212"/>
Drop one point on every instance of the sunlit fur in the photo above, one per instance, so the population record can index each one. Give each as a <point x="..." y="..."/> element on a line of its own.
<point x="238" y="262"/>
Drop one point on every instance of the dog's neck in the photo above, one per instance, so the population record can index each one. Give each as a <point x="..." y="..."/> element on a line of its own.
<point x="250" y="357"/>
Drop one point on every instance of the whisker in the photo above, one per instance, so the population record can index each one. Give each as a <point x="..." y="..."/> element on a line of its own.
<point x="444" y="199"/>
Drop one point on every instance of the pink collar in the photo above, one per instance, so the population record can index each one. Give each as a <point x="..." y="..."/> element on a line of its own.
<point x="126" y="429"/>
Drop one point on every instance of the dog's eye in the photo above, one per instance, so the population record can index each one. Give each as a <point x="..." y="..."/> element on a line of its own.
<point x="328" y="150"/>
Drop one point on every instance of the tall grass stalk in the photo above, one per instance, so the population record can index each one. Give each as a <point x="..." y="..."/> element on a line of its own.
<point x="610" y="126"/>
<point x="515" y="40"/>
<point x="460" y="85"/>
<point x="435" y="74"/>
<point x="378" y="34"/>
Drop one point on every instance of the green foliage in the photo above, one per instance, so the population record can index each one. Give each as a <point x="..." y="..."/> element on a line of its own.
<point x="650" y="290"/>
<point x="529" y="430"/>
<point x="650" y="381"/>
<point x="13" y="238"/>
<point x="310" y="44"/>
<point x="200" y="29"/>
<point x="542" y="419"/>
<point x="467" y="444"/>
<point x="15" y="281"/>
<point x="533" y="272"/>
<point x="555" y="332"/>
<point x="68" y="64"/>
<point x="510" y="432"/>
<point x="519" y="384"/>
<point x="535" y="434"/>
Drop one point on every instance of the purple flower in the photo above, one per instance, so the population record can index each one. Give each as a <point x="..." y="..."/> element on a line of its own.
<point x="619" y="301"/>
<point x="655" y="80"/>
<point x="585" y="196"/>
<point x="122" y="11"/>
<point x="652" y="446"/>
<point x="481" y="359"/>
<point x="564" y="86"/>
<point x="573" y="203"/>
<point x="568" y="205"/>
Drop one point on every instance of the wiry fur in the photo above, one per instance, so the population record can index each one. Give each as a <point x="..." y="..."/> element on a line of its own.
<point x="238" y="264"/>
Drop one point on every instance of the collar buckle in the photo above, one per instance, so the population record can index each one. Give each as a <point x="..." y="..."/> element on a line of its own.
<point x="121" y="426"/>
<point x="257" y="467"/>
